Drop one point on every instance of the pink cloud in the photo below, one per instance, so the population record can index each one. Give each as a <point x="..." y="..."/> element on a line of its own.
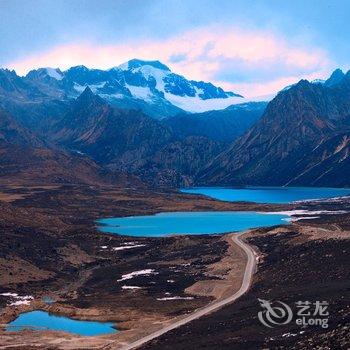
<point x="204" y="51"/>
<point x="259" y="90"/>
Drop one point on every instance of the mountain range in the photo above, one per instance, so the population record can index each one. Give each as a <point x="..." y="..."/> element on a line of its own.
<point x="159" y="151"/>
<point x="302" y="139"/>
<point x="147" y="85"/>
<point x="25" y="158"/>
<point x="126" y="123"/>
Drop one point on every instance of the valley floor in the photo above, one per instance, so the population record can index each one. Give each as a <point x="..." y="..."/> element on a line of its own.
<point x="50" y="247"/>
<point x="307" y="261"/>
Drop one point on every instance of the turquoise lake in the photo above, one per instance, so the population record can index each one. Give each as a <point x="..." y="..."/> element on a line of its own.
<point x="268" y="194"/>
<point x="42" y="320"/>
<point x="195" y="223"/>
<point x="192" y="223"/>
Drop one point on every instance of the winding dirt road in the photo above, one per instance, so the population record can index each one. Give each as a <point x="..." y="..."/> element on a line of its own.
<point x="247" y="279"/>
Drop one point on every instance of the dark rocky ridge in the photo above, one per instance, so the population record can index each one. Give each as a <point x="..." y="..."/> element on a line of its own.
<point x="27" y="103"/>
<point x="131" y="141"/>
<point x="26" y="158"/>
<point x="302" y="139"/>
<point x="222" y="125"/>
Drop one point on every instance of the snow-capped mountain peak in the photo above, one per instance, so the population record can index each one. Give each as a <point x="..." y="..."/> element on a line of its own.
<point x="186" y="94"/>
<point x="136" y="63"/>
<point x="149" y="85"/>
<point x="150" y="70"/>
<point x="318" y="81"/>
<point x="54" y="73"/>
<point x="46" y="73"/>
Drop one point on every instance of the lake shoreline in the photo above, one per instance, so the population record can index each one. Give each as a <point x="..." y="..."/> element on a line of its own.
<point x="188" y="223"/>
<point x="269" y="194"/>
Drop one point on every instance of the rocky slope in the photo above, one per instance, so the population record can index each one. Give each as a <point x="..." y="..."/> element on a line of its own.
<point x="223" y="125"/>
<point x="27" y="103"/>
<point x="131" y="141"/>
<point x="13" y="133"/>
<point x="302" y="139"/>
<point x="25" y="158"/>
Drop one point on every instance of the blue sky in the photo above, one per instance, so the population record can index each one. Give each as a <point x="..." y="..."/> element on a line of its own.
<point x="251" y="47"/>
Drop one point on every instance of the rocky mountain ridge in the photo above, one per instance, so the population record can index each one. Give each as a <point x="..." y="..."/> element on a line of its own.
<point x="302" y="139"/>
<point x="147" y="85"/>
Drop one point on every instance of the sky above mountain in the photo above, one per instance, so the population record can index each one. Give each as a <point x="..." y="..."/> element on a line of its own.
<point x="251" y="47"/>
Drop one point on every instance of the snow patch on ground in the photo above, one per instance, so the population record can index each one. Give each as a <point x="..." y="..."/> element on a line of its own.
<point x="13" y="295"/>
<point x="287" y="335"/>
<point x="175" y="298"/>
<point x="130" y="243"/>
<point x="306" y="214"/>
<point x="131" y="287"/>
<point x="304" y="218"/>
<point x="327" y="200"/>
<point x="146" y="272"/>
<point x="20" y="302"/>
<point x="128" y="247"/>
<point x="18" y="299"/>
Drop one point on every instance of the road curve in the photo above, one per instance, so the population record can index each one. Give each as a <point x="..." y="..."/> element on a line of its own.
<point x="247" y="279"/>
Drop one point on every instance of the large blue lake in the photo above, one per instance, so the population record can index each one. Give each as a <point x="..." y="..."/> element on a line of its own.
<point x="193" y="223"/>
<point x="40" y="320"/>
<point x="268" y="194"/>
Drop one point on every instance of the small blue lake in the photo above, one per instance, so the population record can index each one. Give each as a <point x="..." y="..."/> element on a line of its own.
<point x="192" y="223"/>
<point x="268" y="194"/>
<point x="42" y="320"/>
